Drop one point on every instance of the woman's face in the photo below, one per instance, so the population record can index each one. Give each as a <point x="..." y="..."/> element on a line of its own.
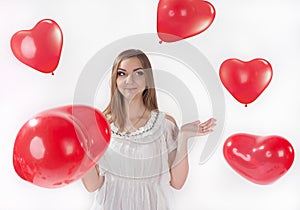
<point x="131" y="80"/>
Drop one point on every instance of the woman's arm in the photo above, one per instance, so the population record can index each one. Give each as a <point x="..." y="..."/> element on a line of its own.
<point x="92" y="180"/>
<point x="178" y="159"/>
<point x="179" y="165"/>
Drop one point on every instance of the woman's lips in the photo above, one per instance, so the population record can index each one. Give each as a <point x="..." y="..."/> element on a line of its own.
<point x="130" y="89"/>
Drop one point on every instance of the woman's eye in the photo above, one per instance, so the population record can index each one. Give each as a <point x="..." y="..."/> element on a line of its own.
<point x="140" y="73"/>
<point x="120" y="73"/>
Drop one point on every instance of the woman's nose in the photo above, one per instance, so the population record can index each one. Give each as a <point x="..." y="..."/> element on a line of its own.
<point x="129" y="79"/>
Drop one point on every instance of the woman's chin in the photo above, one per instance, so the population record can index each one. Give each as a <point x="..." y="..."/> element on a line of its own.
<point x="132" y="96"/>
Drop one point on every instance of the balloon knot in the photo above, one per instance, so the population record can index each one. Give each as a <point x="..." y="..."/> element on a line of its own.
<point x="160" y="42"/>
<point x="52" y="73"/>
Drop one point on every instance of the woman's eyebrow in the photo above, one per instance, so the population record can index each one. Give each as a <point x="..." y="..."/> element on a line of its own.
<point x="138" y="69"/>
<point x="121" y="69"/>
<point x="133" y="69"/>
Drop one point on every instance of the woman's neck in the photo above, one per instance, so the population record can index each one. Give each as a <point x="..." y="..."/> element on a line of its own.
<point x="137" y="115"/>
<point x="134" y="109"/>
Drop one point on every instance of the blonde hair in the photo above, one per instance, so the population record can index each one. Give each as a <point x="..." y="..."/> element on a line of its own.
<point x="115" y="108"/>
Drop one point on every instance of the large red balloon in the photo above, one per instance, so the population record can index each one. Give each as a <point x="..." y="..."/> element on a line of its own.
<point x="180" y="19"/>
<point x="245" y="80"/>
<point x="57" y="146"/>
<point x="260" y="159"/>
<point x="40" y="47"/>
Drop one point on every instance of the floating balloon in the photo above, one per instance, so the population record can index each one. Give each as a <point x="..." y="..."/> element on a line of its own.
<point x="245" y="80"/>
<point x="180" y="19"/>
<point x="40" y="47"/>
<point x="260" y="159"/>
<point x="59" y="145"/>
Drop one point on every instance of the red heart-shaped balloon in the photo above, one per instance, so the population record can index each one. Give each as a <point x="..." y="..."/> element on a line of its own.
<point x="245" y="80"/>
<point x="180" y="19"/>
<point x="40" y="47"/>
<point x="260" y="159"/>
<point x="57" y="146"/>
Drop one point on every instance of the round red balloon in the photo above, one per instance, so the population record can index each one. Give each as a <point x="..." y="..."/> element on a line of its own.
<point x="180" y="19"/>
<point x="245" y="80"/>
<point x="57" y="146"/>
<point x="260" y="159"/>
<point x="40" y="47"/>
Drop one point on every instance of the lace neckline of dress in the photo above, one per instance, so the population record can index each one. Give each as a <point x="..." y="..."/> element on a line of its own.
<point x="142" y="131"/>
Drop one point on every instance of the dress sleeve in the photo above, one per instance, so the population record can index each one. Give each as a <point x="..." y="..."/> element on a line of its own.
<point x="102" y="164"/>
<point x="171" y="133"/>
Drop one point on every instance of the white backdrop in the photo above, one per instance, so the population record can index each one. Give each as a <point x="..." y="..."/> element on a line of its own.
<point x="242" y="29"/>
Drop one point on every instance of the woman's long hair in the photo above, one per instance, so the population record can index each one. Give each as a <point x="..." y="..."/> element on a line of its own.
<point x="115" y="108"/>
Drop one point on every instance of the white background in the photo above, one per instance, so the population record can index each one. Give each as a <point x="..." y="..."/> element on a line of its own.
<point x="268" y="29"/>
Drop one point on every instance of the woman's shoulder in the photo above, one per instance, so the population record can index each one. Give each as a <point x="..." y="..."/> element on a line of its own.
<point x="171" y="126"/>
<point x="169" y="118"/>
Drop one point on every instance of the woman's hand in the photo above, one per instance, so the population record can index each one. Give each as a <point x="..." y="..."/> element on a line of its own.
<point x="197" y="128"/>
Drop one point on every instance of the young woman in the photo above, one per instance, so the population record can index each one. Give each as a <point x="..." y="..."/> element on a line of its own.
<point x="147" y="152"/>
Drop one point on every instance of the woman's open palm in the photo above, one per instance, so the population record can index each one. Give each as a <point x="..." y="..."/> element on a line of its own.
<point x="197" y="128"/>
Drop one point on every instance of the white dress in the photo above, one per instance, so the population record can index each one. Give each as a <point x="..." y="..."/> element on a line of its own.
<point x="136" y="167"/>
